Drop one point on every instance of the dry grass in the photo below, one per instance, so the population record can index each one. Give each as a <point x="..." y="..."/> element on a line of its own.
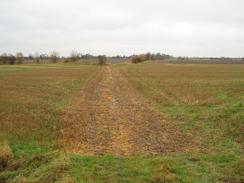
<point x="109" y="117"/>
<point x="205" y="100"/>
<point x="6" y="154"/>
<point x="34" y="97"/>
<point x="207" y="103"/>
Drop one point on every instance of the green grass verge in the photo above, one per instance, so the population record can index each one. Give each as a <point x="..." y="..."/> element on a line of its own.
<point x="181" y="168"/>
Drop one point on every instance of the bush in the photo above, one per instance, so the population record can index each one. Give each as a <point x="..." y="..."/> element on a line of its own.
<point x="136" y="59"/>
<point x="102" y="59"/>
<point x="141" y="58"/>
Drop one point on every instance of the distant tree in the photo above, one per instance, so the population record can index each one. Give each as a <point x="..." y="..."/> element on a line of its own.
<point x="54" y="56"/>
<point x="88" y="56"/>
<point x="102" y="59"/>
<point x="4" y="58"/>
<point x="30" y="57"/>
<point x="159" y="56"/>
<point x="43" y="56"/>
<point x="75" y="56"/>
<point x="148" y="56"/>
<point x="19" y="58"/>
<point x="136" y="59"/>
<point x="37" y="58"/>
<point x="11" y="59"/>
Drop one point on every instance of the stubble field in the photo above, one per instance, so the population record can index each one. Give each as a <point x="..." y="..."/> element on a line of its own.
<point x="122" y="123"/>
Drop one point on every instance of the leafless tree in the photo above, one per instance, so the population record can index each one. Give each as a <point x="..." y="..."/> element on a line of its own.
<point x="148" y="56"/>
<point x="54" y="56"/>
<point x="75" y="56"/>
<point x="19" y="58"/>
<point x="37" y="58"/>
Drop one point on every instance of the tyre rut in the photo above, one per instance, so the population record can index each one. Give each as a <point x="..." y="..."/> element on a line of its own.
<point x="110" y="117"/>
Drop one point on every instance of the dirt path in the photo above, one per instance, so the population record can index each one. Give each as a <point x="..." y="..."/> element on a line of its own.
<point x="109" y="117"/>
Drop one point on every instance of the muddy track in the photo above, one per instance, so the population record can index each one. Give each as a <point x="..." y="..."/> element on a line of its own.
<point x="110" y="117"/>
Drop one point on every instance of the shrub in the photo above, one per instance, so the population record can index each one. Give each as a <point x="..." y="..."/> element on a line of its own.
<point x="141" y="58"/>
<point x="136" y="59"/>
<point x="102" y="59"/>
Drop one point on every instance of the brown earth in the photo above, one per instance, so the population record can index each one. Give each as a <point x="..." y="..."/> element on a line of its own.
<point x="110" y="117"/>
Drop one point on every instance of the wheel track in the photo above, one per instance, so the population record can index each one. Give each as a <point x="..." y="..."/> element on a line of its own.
<point x="110" y="117"/>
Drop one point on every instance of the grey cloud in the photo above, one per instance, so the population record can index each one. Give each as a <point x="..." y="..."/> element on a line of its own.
<point x="180" y="27"/>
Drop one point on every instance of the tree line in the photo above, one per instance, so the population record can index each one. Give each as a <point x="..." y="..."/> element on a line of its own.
<point x="75" y="56"/>
<point x="19" y="58"/>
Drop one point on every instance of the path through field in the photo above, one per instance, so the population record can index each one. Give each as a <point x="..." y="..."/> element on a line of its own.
<point x="110" y="117"/>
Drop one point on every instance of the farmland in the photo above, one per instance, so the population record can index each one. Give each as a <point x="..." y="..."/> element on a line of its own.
<point x="123" y="122"/>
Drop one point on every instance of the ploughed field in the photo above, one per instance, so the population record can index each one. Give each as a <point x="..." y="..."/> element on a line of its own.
<point x="147" y="122"/>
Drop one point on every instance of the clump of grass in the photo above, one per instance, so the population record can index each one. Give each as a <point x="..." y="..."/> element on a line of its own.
<point x="5" y="154"/>
<point x="163" y="174"/>
<point x="51" y="167"/>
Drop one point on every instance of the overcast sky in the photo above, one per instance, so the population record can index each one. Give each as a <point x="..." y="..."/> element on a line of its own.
<point x="177" y="27"/>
